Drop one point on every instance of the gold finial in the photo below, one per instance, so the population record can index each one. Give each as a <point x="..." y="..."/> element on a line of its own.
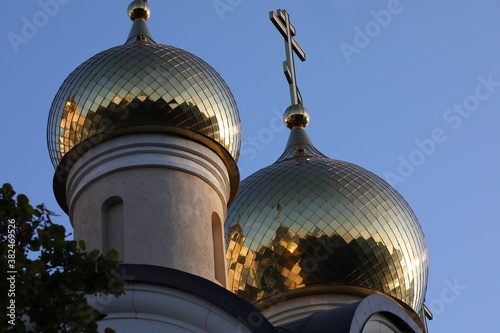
<point x="139" y="9"/>
<point x="296" y="116"/>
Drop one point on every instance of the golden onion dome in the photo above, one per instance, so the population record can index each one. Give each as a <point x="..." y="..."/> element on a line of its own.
<point x="142" y="83"/>
<point x="309" y="223"/>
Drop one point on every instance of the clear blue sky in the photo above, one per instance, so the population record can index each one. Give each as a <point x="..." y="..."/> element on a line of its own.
<point x="430" y="70"/>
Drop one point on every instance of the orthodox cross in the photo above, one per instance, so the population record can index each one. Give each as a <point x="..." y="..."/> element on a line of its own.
<point x="281" y="21"/>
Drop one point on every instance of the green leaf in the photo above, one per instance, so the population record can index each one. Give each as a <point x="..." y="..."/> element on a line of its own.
<point x="81" y="245"/>
<point x="22" y="200"/>
<point x="7" y="192"/>
<point x="37" y="213"/>
<point x="113" y="255"/>
<point x="38" y="265"/>
<point x="54" y="285"/>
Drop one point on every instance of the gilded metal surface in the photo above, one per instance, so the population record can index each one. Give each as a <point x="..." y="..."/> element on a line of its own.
<point x="296" y="116"/>
<point x="308" y="220"/>
<point x="142" y="83"/>
<point x="139" y="9"/>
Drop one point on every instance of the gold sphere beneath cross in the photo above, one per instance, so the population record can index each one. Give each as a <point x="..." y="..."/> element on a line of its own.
<point x="296" y="116"/>
<point x="139" y="9"/>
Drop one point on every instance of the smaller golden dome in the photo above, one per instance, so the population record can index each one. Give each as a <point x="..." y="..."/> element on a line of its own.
<point x="142" y="84"/>
<point x="139" y="9"/>
<point x="309" y="223"/>
<point x="296" y="116"/>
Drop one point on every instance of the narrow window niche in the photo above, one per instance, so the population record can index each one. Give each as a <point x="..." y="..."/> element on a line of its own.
<point x="113" y="226"/>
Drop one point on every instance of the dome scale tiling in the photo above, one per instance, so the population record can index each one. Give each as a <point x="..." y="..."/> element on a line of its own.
<point x="308" y="221"/>
<point x="142" y="83"/>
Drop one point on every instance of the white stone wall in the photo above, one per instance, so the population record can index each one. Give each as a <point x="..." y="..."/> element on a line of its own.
<point x="149" y="308"/>
<point x="170" y="188"/>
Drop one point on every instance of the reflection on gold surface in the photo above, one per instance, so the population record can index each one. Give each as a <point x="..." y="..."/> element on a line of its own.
<point x="70" y="131"/>
<point x="142" y="83"/>
<point x="308" y="220"/>
<point x="139" y="9"/>
<point x="296" y="116"/>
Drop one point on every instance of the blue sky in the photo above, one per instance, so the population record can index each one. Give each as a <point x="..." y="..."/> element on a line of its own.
<point x="408" y="89"/>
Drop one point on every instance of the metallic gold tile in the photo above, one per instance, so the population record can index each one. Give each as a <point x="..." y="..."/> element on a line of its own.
<point x="315" y="221"/>
<point x="142" y="83"/>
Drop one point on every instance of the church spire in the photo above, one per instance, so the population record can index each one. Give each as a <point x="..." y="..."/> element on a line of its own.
<point x="139" y="13"/>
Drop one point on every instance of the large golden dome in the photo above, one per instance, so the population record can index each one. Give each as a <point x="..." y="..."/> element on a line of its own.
<point x="308" y="221"/>
<point x="142" y="83"/>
